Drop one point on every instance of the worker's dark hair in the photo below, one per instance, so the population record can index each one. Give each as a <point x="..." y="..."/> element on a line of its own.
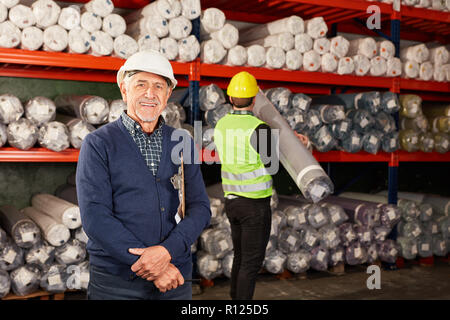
<point x="241" y="102"/>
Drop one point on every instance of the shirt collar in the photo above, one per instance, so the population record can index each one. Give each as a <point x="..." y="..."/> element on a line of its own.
<point x="248" y="112"/>
<point x="134" y="127"/>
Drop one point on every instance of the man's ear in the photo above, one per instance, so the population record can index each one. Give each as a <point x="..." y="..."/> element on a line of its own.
<point x="123" y="91"/>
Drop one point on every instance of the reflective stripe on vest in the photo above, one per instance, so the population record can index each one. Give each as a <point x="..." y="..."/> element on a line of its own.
<point x="245" y="176"/>
<point x="248" y="187"/>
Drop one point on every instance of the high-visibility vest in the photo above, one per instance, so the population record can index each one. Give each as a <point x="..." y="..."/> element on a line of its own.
<point x="243" y="172"/>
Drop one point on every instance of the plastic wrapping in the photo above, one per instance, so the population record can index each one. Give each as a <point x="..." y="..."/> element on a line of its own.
<point x="90" y="22"/>
<point x="72" y="252"/>
<point x="313" y="122"/>
<point x="41" y="254"/>
<point x="372" y="253"/>
<point x="5" y="283"/>
<point x="345" y="65"/>
<point x="22" y="229"/>
<point x="275" y="58"/>
<point x="355" y="254"/>
<point x="347" y="234"/>
<point x="169" y="48"/>
<point x="388" y="251"/>
<point x="279" y="221"/>
<point x="311" y="61"/>
<point x="440" y="124"/>
<point x="100" y="7"/>
<point x="208" y="266"/>
<point x="389" y="102"/>
<point x="378" y="66"/>
<point x="301" y="102"/>
<point x="439" y="73"/>
<point x="54" y="135"/>
<point x="425" y="246"/>
<point x="212" y="19"/>
<point x="410" y="69"/>
<point x="114" y="25"/>
<point x="25" y="279"/>
<point x="116" y="108"/>
<point x="294" y="59"/>
<point x="380" y="233"/>
<point x="124" y="46"/>
<point x="148" y="41"/>
<point x="22" y="16"/>
<point x="60" y="210"/>
<point x="441" y="142"/>
<point x="22" y="134"/>
<point x="411" y="105"/>
<point x="70" y="17"/>
<point x="364" y="234"/>
<point x="317" y="216"/>
<point x="439" y="246"/>
<point x="54" y="280"/>
<point x="298" y="262"/>
<point x="81" y="236"/>
<point x="11" y="108"/>
<point x="311" y="179"/>
<point x="46" y="12"/>
<point x="79" y="40"/>
<point x="328" y="63"/>
<point x="212" y="51"/>
<point x="179" y="28"/>
<point x="303" y="42"/>
<point x="11" y="256"/>
<point x="188" y="49"/>
<point x="236" y="56"/>
<point x="3" y="237"/>
<point x="365" y="46"/>
<point x="410" y="210"/>
<point x="384" y="123"/>
<point x="329" y="236"/>
<point x="353" y="142"/>
<point x="256" y="55"/>
<point x="228" y="36"/>
<point x="321" y="45"/>
<point x="289" y="240"/>
<point x="56" y="38"/>
<point x="310" y="237"/>
<point x="216" y="242"/>
<point x="214" y="115"/>
<point x="430" y="228"/>
<point x="419" y="123"/>
<point x="32" y="38"/>
<point x="444" y="223"/>
<point x="408" y="247"/>
<point x="341" y="129"/>
<point x="322" y="140"/>
<point x="272" y="244"/>
<point x="92" y="109"/>
<point x="336" y="256"/>
<point x="316" y="27"/>
<point x="426" y="71"/>
<point x="362" y="64"/>
<point x="330" y="113"/>
<point x="426" y="142"/>
<point x="339" y="46"/>
<point x="281" y="98"/>
<point x="319" y="258"/>
<point x="386" y="49"/>
<point x="191" y="9"/>
<point x="336" y="213"/>
<point x="371" y="141"/>
<point x="296" y="217"/>
<point x="439" y="55"/>
<point x="227" y="264"/>
<point x="370" y="101"/>
<point x="3" y="17"/>
<point x="78" y="129"/>
<point x="9" y="35"/>
<point x="418" y="53"/>
<point x="275" y="261"/>
<point x="409" y="140"/>
<point x="284" y="40"/>
<point x="102" y="44"/>
<point x="389" y="215"/>
<point x="3" y="135"/>
<point x="393" y="67"/>
<point x="78" y="276"/>
<point x="362" y="120"/>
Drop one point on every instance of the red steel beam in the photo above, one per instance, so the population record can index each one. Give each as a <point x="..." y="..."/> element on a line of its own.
<point x="38" y="155"/>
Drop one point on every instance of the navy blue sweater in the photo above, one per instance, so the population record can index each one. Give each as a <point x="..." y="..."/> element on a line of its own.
<point x="123" y="205"/>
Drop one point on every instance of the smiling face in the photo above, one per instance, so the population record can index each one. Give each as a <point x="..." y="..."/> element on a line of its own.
<point x="146" y="96"/>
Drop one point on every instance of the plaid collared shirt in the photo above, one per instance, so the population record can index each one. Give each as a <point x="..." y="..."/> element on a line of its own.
<point x="149" y="145"/>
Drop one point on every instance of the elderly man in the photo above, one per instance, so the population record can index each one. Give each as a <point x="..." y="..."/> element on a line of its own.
<point x="139" y="247"/>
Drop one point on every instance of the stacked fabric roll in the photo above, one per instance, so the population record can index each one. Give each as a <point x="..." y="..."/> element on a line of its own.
<point x="438" y="5"/>
<point x="42" y="248"/>
<point x="422" y="132"/>
<point x="165" y="26"/>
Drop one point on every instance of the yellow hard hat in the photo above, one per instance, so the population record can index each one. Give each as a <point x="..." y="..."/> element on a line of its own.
<point x="242" y="85"/>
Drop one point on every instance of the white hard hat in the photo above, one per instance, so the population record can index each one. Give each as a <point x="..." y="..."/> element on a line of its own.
<point x="148" y="61"/>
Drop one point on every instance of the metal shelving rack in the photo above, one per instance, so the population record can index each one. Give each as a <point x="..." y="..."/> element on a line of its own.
<point x="433" y="25"/>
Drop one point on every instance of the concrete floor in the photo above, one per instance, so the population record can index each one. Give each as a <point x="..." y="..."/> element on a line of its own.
<point x="410" y="282"/>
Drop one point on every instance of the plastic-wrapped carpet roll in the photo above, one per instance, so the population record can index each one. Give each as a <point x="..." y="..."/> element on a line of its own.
<point x="439" y="55"/>
<point x="171" y="115"/>
<point x="388" y="251"/>
<point x="5" y="283"/>
<point x="341" y="129"/>
<point x="330" y="113"/>
<point x="386" y="49"/>
<point x="275" y="261"/>
<point x="227" y="264"/>
<point x="409" y="140"/>
<point x="380" y="233"/>
<point x="330" y="238"/>
<point x="9" y="3"/>
<point x="289" y="240"/>
<point x="296" y="217"/>
<point x="284" y="40"/>
<point x="298" y="262"/>
<point x="294" y="59"/>
<point x="25" y="279"/>
<point x="40" y="110"/>
<point x="438" y="5"/>
<point x="389" y="142"/>
<point x="317" y="216"/>
<point x="55" y="38"/>
<point x="364" y="234"/>
<point x="191" y="9"/>
<point x="336" y="213"/>
<point x="102" y="44"/>
<point x="165" y="8"/>
<point x="214" y="115"/>
<point x="3" y="16"/>
<point x="212" y="51"/>
<point x="440" y="124"/>
<point x="78" y="129"/>
<point x="408" y="247"/>
<point x="148" y="42"/>
<point x="100" y="7"/>
<point x="116" y="107"/>
<point x="293" y="24"/>
<point x="423" y="4"/>
<point x="3" y="136"/>
<point x="411" y="105"/>
<point x="372" y="141"/>
<point x="70" y="17"/>
<point x="296" y="120"/>
<point x="236" y="56"/>
<point x="316" y="27"/>
<point x="426" y="142"/>
<point x="439" y="73"/>
<point x="114" y="25"/>
<point x="347" y="233"/>
<point x="345" y="65"/>
<point x="124" y="46"/>
<point x="22" y="16"/>
<point x="275" y="58"/>
<point x="312" y="122"/>
<point x="179" y="28"/>
<point x="390" y="102"/>
<point x="303" y="42"/>
<point x="418" y="53"/>
<point x="79" y="40"/>
<point x="92" y="109"/>
<point x="362" y="120"/>
<point x="46" y="13"/>
<point x="228" y="36"/>
<point x="441" y="205"/>
<point x="279" y="221"/>
<point x="372" y="254"/>
<point x="210" y="97"/>
<point x="378" y="66"/>
<point x="41" y="254"/>
<point x="78" y="276"/>
<point x="152" y="24"/>
<point x="319" y="258"/>
<point x="365" y="46"/>
<point x="336" y="256"/>
<point x="308" y="175"/>
<point x="207" y="138"/>
<point x="68" y="193"/>
<point x="188" y="49"/>
<point x="60" y="210"/>
<point x="11" y="108"/>
<point x="424" y="246"/>
<point x="362" y="212"/>
<point x="426" y="212"/>
<point x="32" y="38"/>
<point x="411" y="69"/>
<point x="90" y="22"/>
<point x="426" y="71"/>
<point x="80" y="235"/>
<point x="419" y="123"/>
<point x="441" y="142"/>
<point x="339" y="46"/>
<point x="22" y="134"/>
<point x="329" y="63"/>
<point x="169" y="48"/>
<point x="446" y="69"/>
<point x="11" y="256"/>
<point x="384" y="122"/>
<point x="362" y="64"/>
<point x="393" y="67"/>
<point x="352" y="143"/>
<point x="212" y="19"/>
<point x="256" y="55"/>
<point x="355" y="254"/>
<point x="311" y="61"/>
<point x="10" y="35"/>
<point x="71" y="252"/>
<point x="301" y="102"/>
<point x="54" y="280"/>
<point x="410" y="210"/>
<point x="208" y="266"/>
<point x="321" y="45"/>
<point x="22" y="229"/>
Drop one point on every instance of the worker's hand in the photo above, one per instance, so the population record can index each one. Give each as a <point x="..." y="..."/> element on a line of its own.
<point x="170" y="279"/>
<point x="152" y="263"/>
<point x="303" y="139"/>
